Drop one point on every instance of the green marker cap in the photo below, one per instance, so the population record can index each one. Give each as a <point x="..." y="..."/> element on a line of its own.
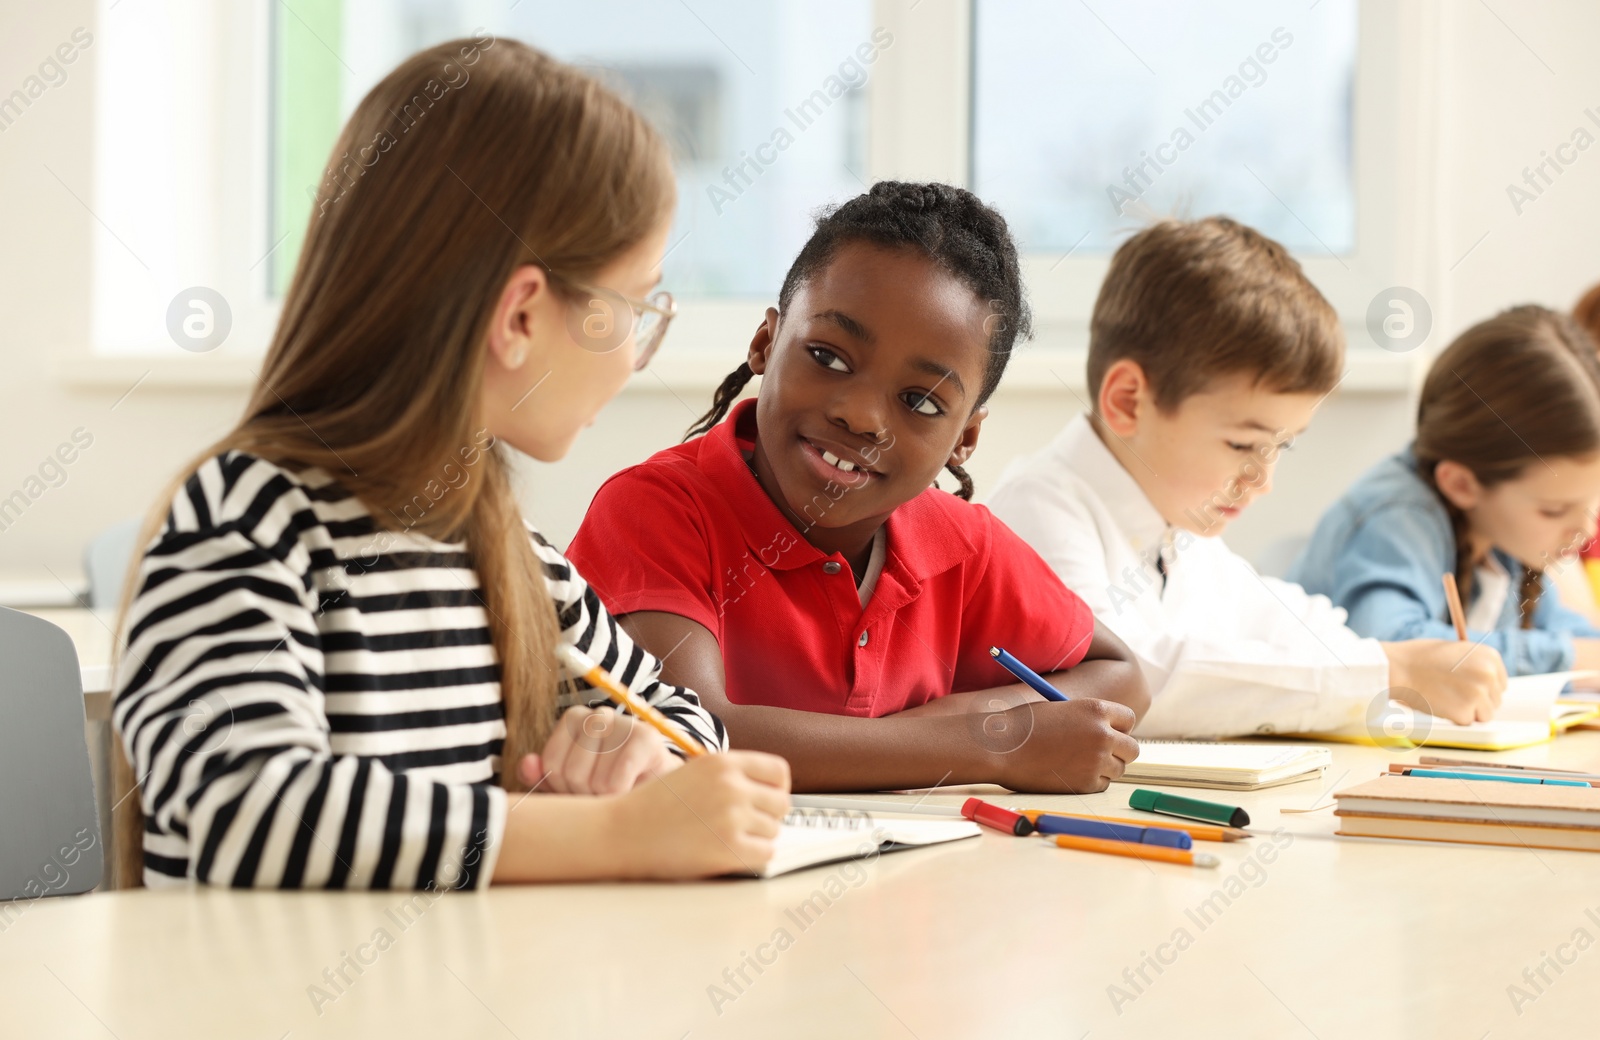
<point x="1188" y="808"/>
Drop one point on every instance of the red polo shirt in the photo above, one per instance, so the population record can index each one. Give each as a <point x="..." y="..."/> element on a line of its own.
<point x="691" y="532"/>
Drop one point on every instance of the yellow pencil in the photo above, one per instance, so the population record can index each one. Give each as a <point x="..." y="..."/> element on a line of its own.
<point x="600" y="679"/>
<point x="1452" y="597"/>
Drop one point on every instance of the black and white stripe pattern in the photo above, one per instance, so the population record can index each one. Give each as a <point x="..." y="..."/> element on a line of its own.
<point x="310" y="702"/>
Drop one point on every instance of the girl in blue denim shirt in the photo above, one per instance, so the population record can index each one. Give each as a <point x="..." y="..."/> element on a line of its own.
<point x="1502" y="480"/>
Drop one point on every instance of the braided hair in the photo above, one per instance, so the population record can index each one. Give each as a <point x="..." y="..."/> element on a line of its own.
<point x="951" y="227"/>
<point x="1521" y="386"/>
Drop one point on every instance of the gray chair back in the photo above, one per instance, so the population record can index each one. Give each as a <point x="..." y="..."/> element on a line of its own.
<point x="50" y="841"/>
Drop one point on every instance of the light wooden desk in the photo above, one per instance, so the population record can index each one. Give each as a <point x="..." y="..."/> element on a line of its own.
<point x="993" y="937"/>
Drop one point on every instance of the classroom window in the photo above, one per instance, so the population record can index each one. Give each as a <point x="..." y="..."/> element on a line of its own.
<point x="178" y="173"/>
<point x="763" y="104"/>
<point x="214" y="124"/>
<point x="1087" y="120"/>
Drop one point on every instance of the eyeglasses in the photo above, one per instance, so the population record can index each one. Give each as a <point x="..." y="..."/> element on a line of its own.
<point x="655" y="313"/>
<point x="599" y="330"/>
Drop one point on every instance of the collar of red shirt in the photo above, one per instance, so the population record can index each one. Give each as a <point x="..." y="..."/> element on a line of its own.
<point x="924" y="538"/>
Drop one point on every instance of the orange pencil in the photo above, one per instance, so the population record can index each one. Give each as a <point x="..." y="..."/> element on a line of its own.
<point x="1197" y="831"/>
<point x="600" y="679"/>
<point x="1452" y="596"/>
<point x="1134" y="850"/>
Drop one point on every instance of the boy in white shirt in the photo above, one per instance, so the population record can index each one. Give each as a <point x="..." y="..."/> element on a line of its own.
<point x="1209" y="350"/>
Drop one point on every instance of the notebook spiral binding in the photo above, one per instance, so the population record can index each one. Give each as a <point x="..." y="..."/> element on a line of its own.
<point x="833" y="819"/>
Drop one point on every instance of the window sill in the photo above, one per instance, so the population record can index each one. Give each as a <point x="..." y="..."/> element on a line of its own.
<point x="123" y="372"/>
<point x="1037" y="368"/>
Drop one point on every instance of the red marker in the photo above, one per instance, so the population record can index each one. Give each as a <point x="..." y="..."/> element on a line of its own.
<point x="996" y="817"/>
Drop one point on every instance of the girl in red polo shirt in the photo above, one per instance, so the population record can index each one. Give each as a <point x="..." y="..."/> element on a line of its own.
<point x="797" y="568"/>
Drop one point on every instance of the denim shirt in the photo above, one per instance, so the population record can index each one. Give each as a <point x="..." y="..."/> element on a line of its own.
<point x="1380" y="553"/>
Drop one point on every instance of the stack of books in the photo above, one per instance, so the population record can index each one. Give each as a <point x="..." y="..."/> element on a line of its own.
<point x="1530" y="813"/>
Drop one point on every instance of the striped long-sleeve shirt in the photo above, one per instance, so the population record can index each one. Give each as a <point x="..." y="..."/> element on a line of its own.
<point x="311" y="702"/>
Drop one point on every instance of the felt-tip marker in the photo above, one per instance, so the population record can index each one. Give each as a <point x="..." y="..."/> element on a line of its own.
<point x="1197" y="831"/>
<point x="995" y="816"/>
<point x="1188" y="808"/>
<point x="1046" y="823"/>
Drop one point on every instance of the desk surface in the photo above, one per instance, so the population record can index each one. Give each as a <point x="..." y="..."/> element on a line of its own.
<point x="996" y="937"/>
<point x="28" y="587"/>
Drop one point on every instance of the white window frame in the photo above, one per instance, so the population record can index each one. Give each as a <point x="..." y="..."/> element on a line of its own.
<point x="235" y="209"/>
<point x="919" y="99"/>
<point x="921" y="129"/>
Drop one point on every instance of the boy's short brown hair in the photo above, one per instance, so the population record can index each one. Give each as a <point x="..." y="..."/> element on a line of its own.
<point x="1195" y="300"/>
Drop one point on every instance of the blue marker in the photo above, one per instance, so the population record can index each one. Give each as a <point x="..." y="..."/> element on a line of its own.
<point x="1450" y="774"/>
<point x="1045" y="823"/>
<point x="1027" y="675"/>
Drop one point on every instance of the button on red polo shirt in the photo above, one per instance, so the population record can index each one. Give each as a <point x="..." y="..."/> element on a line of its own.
<point x="691" y="532"/>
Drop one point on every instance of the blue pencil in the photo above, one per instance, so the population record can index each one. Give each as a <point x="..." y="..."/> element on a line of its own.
<point x="1027" y="675"/>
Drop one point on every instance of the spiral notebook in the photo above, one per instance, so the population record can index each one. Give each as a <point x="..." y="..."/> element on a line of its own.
<point x="811" y="837"/>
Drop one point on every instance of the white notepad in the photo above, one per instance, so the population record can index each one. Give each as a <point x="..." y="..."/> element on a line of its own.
<point x="811" y="837"/>
<point x="1228" y="767"/>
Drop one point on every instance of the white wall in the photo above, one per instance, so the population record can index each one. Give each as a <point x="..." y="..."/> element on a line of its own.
<point x="45" y="262"/>
<point x="1497" y="106"/>
<point x="1485" y="106"/>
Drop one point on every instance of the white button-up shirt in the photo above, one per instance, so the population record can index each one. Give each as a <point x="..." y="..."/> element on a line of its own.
<point x="1225" y="650"/>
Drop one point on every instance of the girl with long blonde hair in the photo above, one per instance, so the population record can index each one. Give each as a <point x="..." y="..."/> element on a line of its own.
<point x="339" y="641"/>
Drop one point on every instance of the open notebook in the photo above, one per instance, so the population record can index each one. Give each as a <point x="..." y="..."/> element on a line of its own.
<point x="1529" y="714"/>
<point x="815" y="836"/>
<point x="1582" y="699"/>
<point x="1226" y="767"/>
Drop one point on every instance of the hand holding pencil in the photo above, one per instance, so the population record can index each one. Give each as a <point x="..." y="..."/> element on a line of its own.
<point x="597" y="751"/>
<point x="715" y="815"/>
<point x="1446" y="679"/>
<point x="600" y="750"/>
<point x="1454" y="679"/>
<point x="1458" y="618"/>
